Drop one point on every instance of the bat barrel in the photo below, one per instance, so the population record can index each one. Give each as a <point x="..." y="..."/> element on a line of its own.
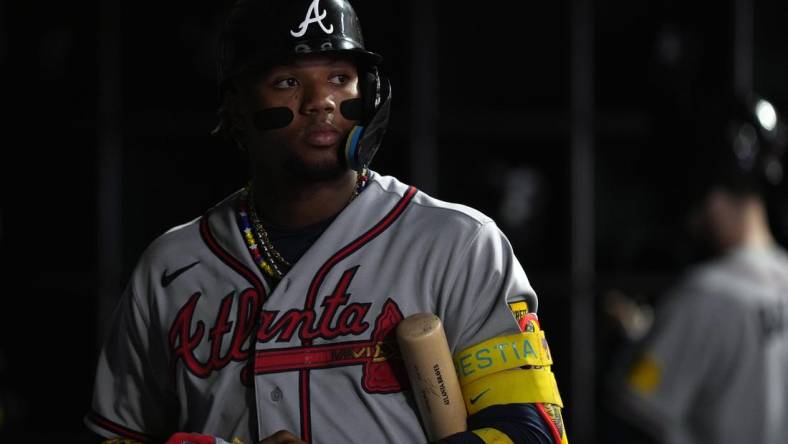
<point x="436" y="389"/>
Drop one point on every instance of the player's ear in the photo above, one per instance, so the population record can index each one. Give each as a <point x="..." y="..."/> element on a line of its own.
<point x="231" y="122"/>
<point x="233" y="117"/>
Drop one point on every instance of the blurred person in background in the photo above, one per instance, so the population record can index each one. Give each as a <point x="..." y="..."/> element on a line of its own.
<point x="713" y="366"/>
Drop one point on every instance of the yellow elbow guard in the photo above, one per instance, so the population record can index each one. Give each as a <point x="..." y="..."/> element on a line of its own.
<point x="507" y="370"/>
<point x="516" y="386"/>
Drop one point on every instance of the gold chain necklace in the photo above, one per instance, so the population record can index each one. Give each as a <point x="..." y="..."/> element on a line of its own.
<point x="273" y="255"/>
<point x="277" y="261"/>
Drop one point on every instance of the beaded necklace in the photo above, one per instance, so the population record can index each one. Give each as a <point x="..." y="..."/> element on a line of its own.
<point x="267" y="258"/>
<point x="246" y="229"/>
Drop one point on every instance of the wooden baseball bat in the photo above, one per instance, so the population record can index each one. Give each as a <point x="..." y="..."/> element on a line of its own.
<point x="425" y="352"/>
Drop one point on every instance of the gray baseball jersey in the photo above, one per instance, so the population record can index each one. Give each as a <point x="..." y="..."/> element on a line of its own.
<point x="201" y="343"/>
<point x="715" y="369"/>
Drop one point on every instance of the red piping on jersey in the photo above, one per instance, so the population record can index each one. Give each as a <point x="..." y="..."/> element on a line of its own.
<point x="228" y="259"/>
<point x="550" y="424"/>
<point x="317" y="281"/>
<point x="116" y="428"/>
<point x="352" y="247"/>
<point x="239" y="268"/>
<point x="306" y="412"/>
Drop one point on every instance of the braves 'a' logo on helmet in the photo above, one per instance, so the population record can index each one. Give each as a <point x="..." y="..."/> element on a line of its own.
<point x="313" y="16"/>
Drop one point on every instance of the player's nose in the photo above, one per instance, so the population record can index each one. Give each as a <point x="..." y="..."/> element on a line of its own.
<point x="317" y="99"/>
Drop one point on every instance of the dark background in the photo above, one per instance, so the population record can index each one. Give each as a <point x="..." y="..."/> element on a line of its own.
<point x="566" y="121"/>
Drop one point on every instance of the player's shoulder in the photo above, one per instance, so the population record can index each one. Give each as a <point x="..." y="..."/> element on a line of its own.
<point x="735" y="280"/>
<point x="184" y="239"/>
<point x="704" y="283"/>
<point x="174" y="239"/>
<point x="430" y="208"/>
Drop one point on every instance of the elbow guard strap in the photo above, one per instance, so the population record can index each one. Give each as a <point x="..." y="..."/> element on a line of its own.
<point x="502" y="353"/>
<point x="512" y="387"/>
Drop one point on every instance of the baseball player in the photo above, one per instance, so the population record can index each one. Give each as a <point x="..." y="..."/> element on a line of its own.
<point x="715" y="366"/>
<point x="272" y="316"/>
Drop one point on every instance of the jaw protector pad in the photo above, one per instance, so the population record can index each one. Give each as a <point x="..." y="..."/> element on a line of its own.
<point x="365" y="139"/>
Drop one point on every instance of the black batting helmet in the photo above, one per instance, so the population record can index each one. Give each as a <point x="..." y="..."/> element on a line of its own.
<point x="742" y="146"/>
<point x="260" y="33"/>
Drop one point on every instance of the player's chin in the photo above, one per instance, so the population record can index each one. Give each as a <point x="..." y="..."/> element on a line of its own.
<point x="313" y="166"/>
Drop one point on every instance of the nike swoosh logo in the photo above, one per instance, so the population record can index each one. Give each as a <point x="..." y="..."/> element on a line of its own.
<point x="476" y="398"/>
<point x="166" y="279"/>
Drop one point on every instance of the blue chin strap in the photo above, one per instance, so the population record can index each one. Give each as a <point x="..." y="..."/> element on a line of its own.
<point x="352" y="150"/>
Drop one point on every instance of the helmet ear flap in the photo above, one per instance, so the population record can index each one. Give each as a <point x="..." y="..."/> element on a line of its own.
<point x="375" y="89"/>
<point x="384" y="90"/>
<point x="365" y="138"/>
<point x="370" y="93"/>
